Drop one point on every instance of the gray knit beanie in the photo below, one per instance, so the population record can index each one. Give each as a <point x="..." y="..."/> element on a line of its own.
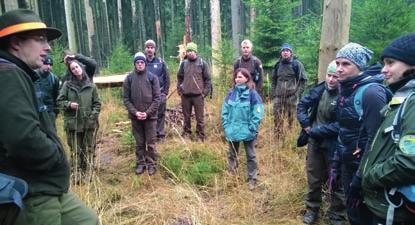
<point x="356" y="53"/>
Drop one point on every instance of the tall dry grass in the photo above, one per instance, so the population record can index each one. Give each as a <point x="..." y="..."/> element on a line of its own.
<point x="120" y="197"/>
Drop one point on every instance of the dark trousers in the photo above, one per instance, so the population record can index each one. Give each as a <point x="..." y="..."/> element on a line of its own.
<point x="161" y="118"/>
<point x="381" y="221"/>
<point x="198" y="103"/>
<point x="317" y="165"/>
<point x="252" y="165"/>
<point x="359" y="215"/>
<point x="284" y="108"/>
<point x="82" y="145"/>
<point x="144" y="132"/>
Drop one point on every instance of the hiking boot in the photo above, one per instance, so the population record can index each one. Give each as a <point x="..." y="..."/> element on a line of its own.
<point x="251" y="184"/>
<point x="310" y="217"/>
<point x="151" y="170"/>
<point x="140" y="169"/>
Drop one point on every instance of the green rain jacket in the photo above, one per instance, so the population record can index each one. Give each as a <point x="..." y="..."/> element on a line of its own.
<point x="389" y="164"/>
<point x="86" y="95"/>
<point x="29" y="146"/>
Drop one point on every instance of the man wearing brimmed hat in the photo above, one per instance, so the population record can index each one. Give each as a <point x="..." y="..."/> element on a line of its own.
<point x="47" y="88"/>
<point x="157" y="66"/>
<point x="29" y="146"/>
<point x="288" y="82"/>
<point x="193" y="85"/>
<point x="316" y="113"/>
<point x="390" y="162"/>
<point x="362" y="97"/>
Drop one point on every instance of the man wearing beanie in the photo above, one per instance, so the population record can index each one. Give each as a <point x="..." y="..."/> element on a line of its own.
<point x="390" y="162"/>
<point x="47" y="88"/>
<point x="29" y="146"/>
<point x="361" y="99"/>
<point x="157" y="66"/>
<point x="141" y="98"/>
<point x="252" y="64"/>
<point x="288" y="83"/>
<point x="316" y="113"/>
<point x="193" y="85"/>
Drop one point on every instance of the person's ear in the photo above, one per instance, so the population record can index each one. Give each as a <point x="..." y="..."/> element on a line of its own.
<point x="14" y="43"/>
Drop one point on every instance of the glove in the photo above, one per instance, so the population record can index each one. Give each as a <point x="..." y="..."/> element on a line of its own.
<point x="333" y="177"/>
<point x="354" y="195"/>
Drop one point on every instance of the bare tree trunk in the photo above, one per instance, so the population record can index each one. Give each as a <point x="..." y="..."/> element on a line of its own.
<point x="70" y="26"/>
<point x="11" y="4"/>
<point x="120" y="30"/>
<point x="142" y="32"/>
<point x="33" y="4"/>
<point x="215" y="27"/>
<point x="236" y="26"/>
<point x="187" y="32"/>
<point x="334" y="32"/>
<point x="89" y="25"/>
<point x="252" y="12"/>
<point x="134" y="22"/>
<point x="158" y="26"/>
<point x="107" y="25"/>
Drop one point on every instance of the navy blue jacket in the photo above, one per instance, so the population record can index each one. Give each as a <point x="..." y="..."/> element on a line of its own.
<point x="158" y="67"/>
<point x="354" y="132"/>
<point x="307" y="112"/>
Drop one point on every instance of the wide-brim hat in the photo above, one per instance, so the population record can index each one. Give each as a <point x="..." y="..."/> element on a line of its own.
<point x="22" y="20"/>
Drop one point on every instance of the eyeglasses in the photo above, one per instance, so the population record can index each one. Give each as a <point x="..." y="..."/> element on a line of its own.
<point x="39" y="38"/>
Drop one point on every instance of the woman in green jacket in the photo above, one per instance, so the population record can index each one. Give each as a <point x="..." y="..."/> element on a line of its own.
<point x="390" y="162"/>
<point x="81" y="105"/>
<point x="242" y="112"/>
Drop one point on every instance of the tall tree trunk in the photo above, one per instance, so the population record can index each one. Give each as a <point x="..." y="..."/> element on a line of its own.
<point x="334" y="32"/>
<point x="119" y="10"/>
<point x="90" y="25"/>
<point x="142" y="26"/>
<point x="108" y="41"/>
<point x="134" y="22"/>
<point x="252" y="13"/>
<point x="70" y="26"/>
<point x="158" y="26"/>
<point x="216" y="31"/>
<point x="33" y="4"/>
<point x="187" y="32"/>
<point x="11" y="4"/>
<point x="236" y="26"/>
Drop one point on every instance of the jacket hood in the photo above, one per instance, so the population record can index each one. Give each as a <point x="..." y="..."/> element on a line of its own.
<point x="349" y="86"/>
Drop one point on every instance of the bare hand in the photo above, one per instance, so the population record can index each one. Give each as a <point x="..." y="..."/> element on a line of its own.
<point x="74" y="105"/>
<point x="307" y="130"/>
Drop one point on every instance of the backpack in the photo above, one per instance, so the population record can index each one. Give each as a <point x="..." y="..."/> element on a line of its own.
<point x="357" y="100"/>
<point x="406" y="193"/>
<point x="294" y="65"/>
<point x="255" y="76"/>
<point x="202" y="66"/>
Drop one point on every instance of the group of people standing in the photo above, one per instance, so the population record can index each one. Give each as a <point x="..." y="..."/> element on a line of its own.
<point x="360" y="138"/>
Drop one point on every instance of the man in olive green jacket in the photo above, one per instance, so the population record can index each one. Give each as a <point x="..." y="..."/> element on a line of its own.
<point x="390" y="163"/>
<point x="29" y="146"/>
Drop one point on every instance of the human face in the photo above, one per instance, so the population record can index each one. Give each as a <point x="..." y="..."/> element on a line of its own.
<point x="286" y="53"/>
<point x="332" y="81"/>
<point x="76" y="70"/>
<point x="46" y="68"/>
<point x="31" y="48"/>
<point x="191" y="55"/>
<point x="393" y="70"/>
<point x="246" y="50"/>
<point x="150" y="50"/>
<point x="346" y="69"/>
<point x="240" y="79"/>
<point x="140" y="65"/>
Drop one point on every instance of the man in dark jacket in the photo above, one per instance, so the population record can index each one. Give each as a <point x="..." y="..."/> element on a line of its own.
<point x="252" y="64"/>
<point x="29" y="146"/>
<point x="357" y="129"/>
<point x="316" y="113"/>
<point x="142" y="98"/>
<point x="47" y="88"/>
<point x="193" y="85"/>
<point x="390" y="163"/>
<point x="288" y="83"/>
<point x="157" y="66"/>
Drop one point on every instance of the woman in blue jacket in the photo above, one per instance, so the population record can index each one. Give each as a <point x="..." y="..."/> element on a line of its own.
<point x="242" y="112"/>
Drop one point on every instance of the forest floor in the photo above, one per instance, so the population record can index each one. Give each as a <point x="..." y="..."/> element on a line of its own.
<point x="122" y="198"/>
